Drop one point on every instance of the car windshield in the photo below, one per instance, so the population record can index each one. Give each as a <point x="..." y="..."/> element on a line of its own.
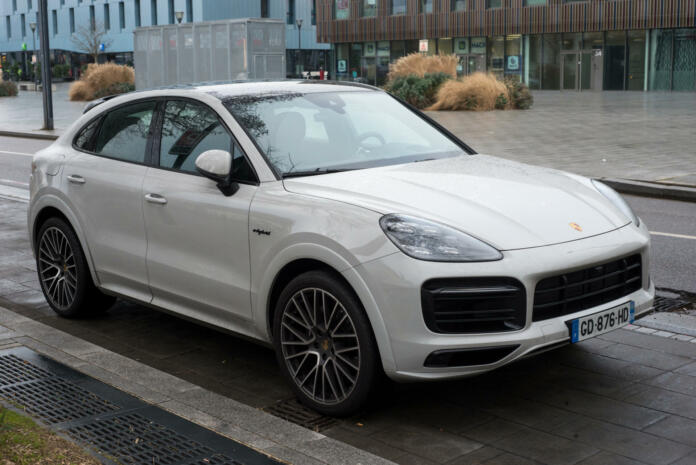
<point x="314" y="133"/>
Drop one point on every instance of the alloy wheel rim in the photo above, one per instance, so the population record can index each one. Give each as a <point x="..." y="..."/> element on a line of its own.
<point x="57" y="268"/>
<point x="320" y="346"/>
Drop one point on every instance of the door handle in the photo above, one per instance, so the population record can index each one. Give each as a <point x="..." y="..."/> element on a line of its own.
<point x="76" y="179"/>
<point x="155" y="198"/>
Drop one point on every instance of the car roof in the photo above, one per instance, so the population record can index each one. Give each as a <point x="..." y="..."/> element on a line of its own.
<point x="230" y="89"/>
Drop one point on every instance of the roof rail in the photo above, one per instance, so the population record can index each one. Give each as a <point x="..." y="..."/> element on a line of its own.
<point x="97" y="102"/>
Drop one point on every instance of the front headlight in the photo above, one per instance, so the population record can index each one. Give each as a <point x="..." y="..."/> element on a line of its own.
<point x="618" y="201"/>
<point x="427" y="240"/>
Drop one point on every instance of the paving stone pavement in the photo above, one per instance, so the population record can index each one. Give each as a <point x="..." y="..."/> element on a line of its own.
<point x="645" y="136"/>
<point x="626" y="397"/>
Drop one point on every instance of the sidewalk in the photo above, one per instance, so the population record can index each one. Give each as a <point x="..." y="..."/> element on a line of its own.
<point x="24" y="114"/>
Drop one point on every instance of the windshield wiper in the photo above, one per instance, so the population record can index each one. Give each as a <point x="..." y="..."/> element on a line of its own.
<point x="297" y="174"/>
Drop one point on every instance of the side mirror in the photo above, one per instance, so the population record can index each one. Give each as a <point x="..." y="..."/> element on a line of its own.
<point x="217" y="165"/>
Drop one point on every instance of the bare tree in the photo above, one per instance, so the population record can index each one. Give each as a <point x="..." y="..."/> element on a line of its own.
<point x="87" y="38"/>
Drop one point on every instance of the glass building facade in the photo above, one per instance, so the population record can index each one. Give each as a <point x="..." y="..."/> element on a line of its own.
<point x="547" y="44"/>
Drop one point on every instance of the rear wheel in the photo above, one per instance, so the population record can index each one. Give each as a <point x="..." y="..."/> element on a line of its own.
<point x="63" y="272"/>
<point x="324" y="344"/>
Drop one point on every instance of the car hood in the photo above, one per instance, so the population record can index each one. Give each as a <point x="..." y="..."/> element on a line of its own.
<point x="507" y="204"/>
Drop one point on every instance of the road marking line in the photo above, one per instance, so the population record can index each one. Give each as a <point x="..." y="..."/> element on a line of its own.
<point x="678" y="236"/>
<point x="17" y="153"/>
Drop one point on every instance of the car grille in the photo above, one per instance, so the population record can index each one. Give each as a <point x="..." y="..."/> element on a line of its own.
<point x="476" y="305"/>
<point x="587" y="288"/>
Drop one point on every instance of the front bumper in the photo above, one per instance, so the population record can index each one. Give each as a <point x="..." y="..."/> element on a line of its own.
<point x="395" y="283"/>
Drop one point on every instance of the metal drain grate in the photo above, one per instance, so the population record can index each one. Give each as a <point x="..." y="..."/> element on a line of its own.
<point x="54" y="400"/>
<point x="133" y="439"/>
<point x="293" y="411"/>
<point x="14" y="370"/>
<point x="116" y="426"/>
<point x="667" y="304"/>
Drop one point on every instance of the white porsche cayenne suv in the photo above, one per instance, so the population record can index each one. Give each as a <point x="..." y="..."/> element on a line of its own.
<point x="338" y="224"/>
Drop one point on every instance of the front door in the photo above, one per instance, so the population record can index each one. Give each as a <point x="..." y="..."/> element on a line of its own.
<point x="197" y="238"/>
<point x="103" y="179"/>
<point x="580" y="71"/>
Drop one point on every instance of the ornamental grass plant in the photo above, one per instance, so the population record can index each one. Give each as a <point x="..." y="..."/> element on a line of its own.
<point x="417" y="64"/>
<point x="102" y="80"/>
<point x="477" y="92"/>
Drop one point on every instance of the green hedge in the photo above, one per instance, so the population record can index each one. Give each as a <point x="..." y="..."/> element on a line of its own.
<point x="418" y="91"/>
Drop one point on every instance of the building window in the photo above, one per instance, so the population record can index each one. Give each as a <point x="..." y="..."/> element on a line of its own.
<point x="8" y="27"/>
<point x="107" y="17"/>
<point x="24" y="25"/>
<point x="458" y="5"/>
<point x="341" y="9"/>
<point x="291" y="12"/>
<point x="264" y="8"/>
<point x="121" y="15"/>
<point x="72" y="20"/>
<point x="189" y="11"/>
<point x="368" y="8"/>
<point x="14" y="6"/>
<point x="314" y="12"/>
<point x="426" y="6"/>
<point x="153" y="12"/>
<point x="137" y="13"/>
<point x="92" y="18"/>
<point x="29" y="5"/>
<point x="491" y="4"/>
<point x="171" y="12"/>
<point x="62" y="2"/>
<point x="54" y="15"/>
<point x="397" y="7"/>
<point x="534" y="2"/>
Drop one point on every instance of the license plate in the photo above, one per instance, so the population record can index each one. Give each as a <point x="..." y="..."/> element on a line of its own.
<point x="601" y="322"/>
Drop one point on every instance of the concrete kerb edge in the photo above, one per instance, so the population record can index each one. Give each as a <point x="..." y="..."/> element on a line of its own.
<point x="265" y="429"/>
<point x="651" y="189"/>
<point x="29" y="135"/>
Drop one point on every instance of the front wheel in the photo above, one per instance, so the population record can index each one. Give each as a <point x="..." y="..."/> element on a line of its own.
<point x="324" y="344"/>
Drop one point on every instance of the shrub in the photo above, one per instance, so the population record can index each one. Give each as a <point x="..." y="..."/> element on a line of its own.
<point x="8" y="89"/>
<point x="520" y="96"/>
<point x="418" y="91"/>
<point x="420" y="65"/>
<point x="102" y="80"/>
<point x="60" y="71"/>
<point x="478" y="91"/>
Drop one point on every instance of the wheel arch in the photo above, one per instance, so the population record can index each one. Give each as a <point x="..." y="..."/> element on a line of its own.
<point x="53" y="207"/>
<point x="282" y="272"/>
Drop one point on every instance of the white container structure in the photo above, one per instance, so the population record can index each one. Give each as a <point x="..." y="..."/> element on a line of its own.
<point x="226" y="50"/>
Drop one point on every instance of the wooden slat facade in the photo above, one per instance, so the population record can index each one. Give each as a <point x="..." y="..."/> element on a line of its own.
<point x="513" y="18"/>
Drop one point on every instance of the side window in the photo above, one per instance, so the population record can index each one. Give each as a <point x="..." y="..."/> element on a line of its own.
<point x="85" y="138"/>
<point x="190" y="129"/>
<point x="124" y="132"/>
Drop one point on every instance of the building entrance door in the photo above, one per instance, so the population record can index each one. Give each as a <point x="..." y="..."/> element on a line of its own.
<point x="581" y="70"/>
<point x="468" y="64"/>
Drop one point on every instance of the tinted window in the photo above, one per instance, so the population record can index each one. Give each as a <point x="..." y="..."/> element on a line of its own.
<point x="85" y="137"/>
<point x="124" y="132"/>
<point x="190" y="129"/>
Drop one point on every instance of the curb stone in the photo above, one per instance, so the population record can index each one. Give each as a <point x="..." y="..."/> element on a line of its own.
<point x="652" y="189"/>
<point x="30" y="135"/>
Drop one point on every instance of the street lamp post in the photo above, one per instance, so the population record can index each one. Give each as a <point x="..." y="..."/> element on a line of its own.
<point x="32" y="26"/>
<point x="45" y="65"/>
<point x="179" y="16"/>
<point x="299" y="44"/>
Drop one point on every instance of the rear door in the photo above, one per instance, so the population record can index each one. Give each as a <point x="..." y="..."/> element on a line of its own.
<point x="103" y="178"/>
<point x="198" y="239"/>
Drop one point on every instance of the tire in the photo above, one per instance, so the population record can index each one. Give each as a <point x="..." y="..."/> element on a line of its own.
<point x="335" y="375"/>
<point x="64" y="274"/>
